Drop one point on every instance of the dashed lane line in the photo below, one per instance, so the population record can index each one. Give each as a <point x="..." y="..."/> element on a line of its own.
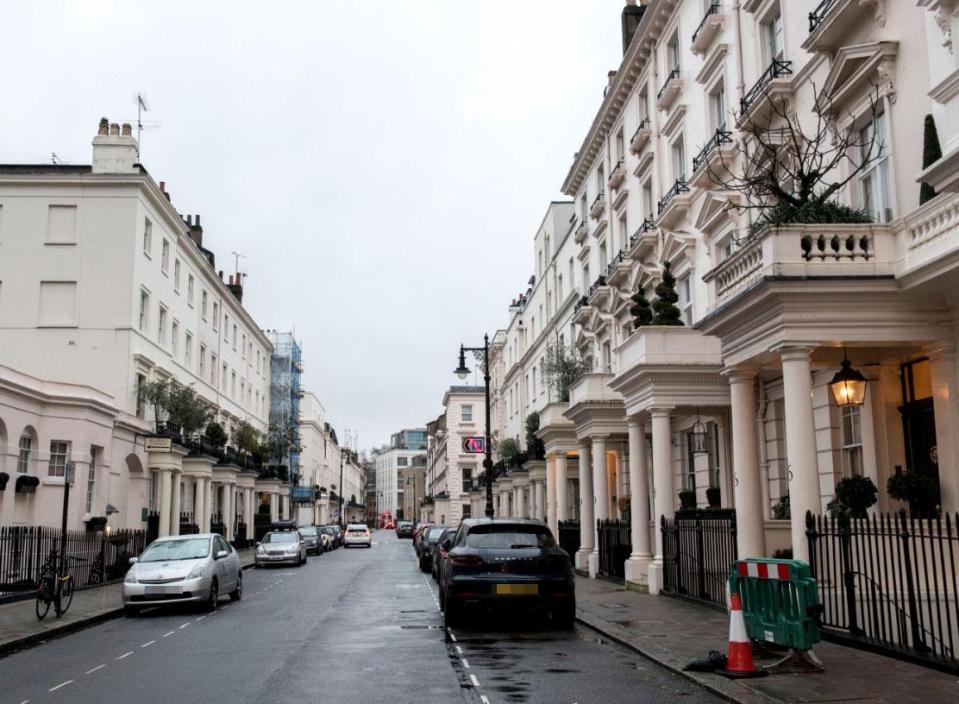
<point x="62" y="684"/>
<point x="148" y="644"/>
<point x="125" y="655"/>
<point x="98" y="667"/>
<point x="484" y="699"/>
<point x="184" y="625"/>
<point x="465" y="663"/>
<point x="474" y="681"/>
<point x="166" y="635"/>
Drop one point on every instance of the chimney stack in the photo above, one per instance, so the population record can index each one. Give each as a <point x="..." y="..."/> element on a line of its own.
<point x="195" y="230"/>
<point x="236" y="287"/>
<point x="632" y="16"/>
<point x="114" y="152"/>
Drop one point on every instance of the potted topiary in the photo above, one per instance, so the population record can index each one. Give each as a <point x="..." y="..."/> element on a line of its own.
<point x="96" y="523"/>
<point x="918" y="489"/>
<point x="713" y="497"/>
<point x="687" y="500"/>
<point x="854" y="495"/>
<point x="781" y="510"/>
<point x="4" y="478"/>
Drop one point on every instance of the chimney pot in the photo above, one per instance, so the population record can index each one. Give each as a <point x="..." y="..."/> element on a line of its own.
<point x="197" y="219"/>
<point x="115" y="129"/>
<point x="126" y="130"/>
<point x="104" y="126"/>
<point x="189" y="220"/>
<point x="220" y="273"/>
<point x="163" y="186"/>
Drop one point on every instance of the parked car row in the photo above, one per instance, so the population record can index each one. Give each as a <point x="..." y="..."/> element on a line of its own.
<point x="498" y="564"/>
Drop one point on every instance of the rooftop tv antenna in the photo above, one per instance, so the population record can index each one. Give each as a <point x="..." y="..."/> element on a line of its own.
<point x="140" y="99"/>
<point x="236" y="262"/>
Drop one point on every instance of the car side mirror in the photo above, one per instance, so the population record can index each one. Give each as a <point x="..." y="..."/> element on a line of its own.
<point x="447" y="544"/>
<point x="221" y="554"/>
<point x="134" y="560"/>
<point x="257" y="545"/>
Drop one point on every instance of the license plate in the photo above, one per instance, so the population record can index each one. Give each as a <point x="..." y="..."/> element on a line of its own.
<point x="517" y="589"/>
<point x="160" y="590"/>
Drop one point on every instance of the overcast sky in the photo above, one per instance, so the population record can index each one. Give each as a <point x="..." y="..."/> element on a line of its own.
<point x="382" y="165"/>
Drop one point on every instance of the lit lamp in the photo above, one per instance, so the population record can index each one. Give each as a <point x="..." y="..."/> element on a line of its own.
<point x="848" y="386"/>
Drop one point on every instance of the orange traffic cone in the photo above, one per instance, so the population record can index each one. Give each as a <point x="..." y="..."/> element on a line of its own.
<point x="740" y="661"/>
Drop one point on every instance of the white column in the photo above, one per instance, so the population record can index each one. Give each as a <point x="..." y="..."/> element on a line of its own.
<point x="228" y="518"/>
<point x="249" y="514"/>
<point x="175" y="504"/>
<point x="551" y="494"/>
<point x="664" y="496"/>
<point x="587" y="528"/>
<point x="562" y="487"/>
<point x="163" y="480"/>
<point x="274" y="506"/>
<point x="945" y="399"/>
<point x="747" y="483"/>
<point x="638" y="563"/>
<point x="540" y="501"/>
<point x="804" y="491"/>
<point x="600" y="498"/>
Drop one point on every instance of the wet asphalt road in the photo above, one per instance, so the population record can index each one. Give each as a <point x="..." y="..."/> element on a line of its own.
<point x="353" y="626"/>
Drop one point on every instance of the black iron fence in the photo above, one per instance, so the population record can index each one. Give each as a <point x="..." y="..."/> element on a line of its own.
<point x="99" y="557"/>
<point x="698" y="554"/>
<point x="569" y="537"/>
<point x="890" y="582"/>
<point x="615" y="547"/>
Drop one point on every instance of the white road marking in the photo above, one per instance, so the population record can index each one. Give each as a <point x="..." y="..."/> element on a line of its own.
<point x="474" y="680"/>
<point x="125" y="655"/>
<point x="98" y="667"/>
<point x="459" y="650"/>
<point x="62" y="684"/>
<point x="452" y="637"/>
<point x="184" y="625"/>
<point x="201" y="618"/>
<point x="169" y="634"/>
<point x="148" y="644"/>
<point x="484" y="699"/>
<point x="25" y="701"/>
<point x="465" y="663"/>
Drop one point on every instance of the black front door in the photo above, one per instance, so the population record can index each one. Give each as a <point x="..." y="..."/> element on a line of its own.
<point x="919" y="434"/>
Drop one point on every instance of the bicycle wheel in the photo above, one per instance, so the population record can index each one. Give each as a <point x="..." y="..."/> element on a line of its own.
<point x="43" y="606"/>
<point x="66" y="595"/>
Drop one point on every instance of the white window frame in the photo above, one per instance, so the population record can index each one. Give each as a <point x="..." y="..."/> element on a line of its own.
<point x="24" y="454"/>
<point x="91" y="480"/>
<point x="148" y="238"/>
<point x="875" y="181"/>
<point x="161" y="324"/>
<point x="144" y="319"/>
<point x="59" y="456"/>
<point x="851" y="439"/>
<point x="466" y="412"/>
<point x="165" y="256"/>
<point x="686" y="298"/>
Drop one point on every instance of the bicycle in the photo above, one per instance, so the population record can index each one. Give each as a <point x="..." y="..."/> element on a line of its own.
<point x="55" y="585"/>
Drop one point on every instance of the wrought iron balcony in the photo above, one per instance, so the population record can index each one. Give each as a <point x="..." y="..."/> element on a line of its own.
<point x="817" y="16"/>
<point x="678" y="187"/>
<point x="600" y="281"/>
<point x="777" y="69"/>
<point x="581" y="303"/>
<point x="712" y="10"/>
<point x="598" y="206"/>
<point x="673" y="75"/>
<point x="719" y="138"/>
<point x="617" y="174"/>
<point x="640" y="136"/>
<point x="582" y="229"/>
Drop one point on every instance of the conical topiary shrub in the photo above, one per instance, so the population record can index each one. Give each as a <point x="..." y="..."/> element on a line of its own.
<point x="931" y="153"/>
<point x="665" y="311"/>
<point x="641" y="311"/>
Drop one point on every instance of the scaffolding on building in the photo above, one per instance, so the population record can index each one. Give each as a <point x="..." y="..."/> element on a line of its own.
<point x="285" y="393"/>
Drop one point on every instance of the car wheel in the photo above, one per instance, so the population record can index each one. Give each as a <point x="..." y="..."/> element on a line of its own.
<point x="213" y="598"/>
<point x="565" y="616"/>
<point x="237" y="593"/>
<point x="423" y="567"/>
<point x="131" y="611"/>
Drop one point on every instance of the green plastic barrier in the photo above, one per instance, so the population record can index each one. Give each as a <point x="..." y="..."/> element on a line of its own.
<point x="780" y="601"/>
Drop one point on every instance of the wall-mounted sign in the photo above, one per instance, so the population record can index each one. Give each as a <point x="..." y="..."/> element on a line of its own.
<point x="70" y="472"/>
<point x="302" y="494"/>
<point x="474" y="445"/>
<point x="151" y="444"/>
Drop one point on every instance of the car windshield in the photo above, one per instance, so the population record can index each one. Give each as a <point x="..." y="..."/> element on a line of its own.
<point x="504" y="537"/>
<point x="186" y="549"/>
<point x="328" y="530"/>
<point x="435" y="533"/>
<point x="290" y="537"/>
<point x="357" y="527"/>
<point x="309" y="532"/>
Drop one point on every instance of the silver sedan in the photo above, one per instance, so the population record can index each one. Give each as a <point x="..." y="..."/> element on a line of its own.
<point x="280" y="547"/>
<point x="183" y="568"/>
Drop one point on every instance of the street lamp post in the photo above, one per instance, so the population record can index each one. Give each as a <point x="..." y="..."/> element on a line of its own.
<point x="463" y="372"/>
<point x="342" y="452"/>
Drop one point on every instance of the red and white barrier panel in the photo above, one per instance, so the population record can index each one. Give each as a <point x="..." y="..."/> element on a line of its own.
<point x="763" y="570"/>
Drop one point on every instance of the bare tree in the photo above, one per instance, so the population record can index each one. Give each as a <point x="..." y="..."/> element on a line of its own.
<point x="795" y="169"/>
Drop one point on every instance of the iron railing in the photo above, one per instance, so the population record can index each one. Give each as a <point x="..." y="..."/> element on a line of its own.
<point x="600" y="281"/>
<point x="643" y="125"/>
<point x="598" y="200"/>
<point x="615" y="546"/>
<point x="697" y="556"/>
<point x="776" y="69"/>
<point x="678" y="187"/>
<point x="674" y="74"/>
<point x="569" y="537"/>
<point x="719" y="138"/>
<point x="713" y="9"/>
<point x="820" y="13"/>
<point x="890" y="582"/>
<point x="581" y="303"/>
<point x="101" y="558"/>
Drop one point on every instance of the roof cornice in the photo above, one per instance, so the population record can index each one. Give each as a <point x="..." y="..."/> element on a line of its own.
<point x="632" y="65"/>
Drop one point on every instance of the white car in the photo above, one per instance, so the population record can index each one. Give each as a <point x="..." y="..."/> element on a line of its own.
<point x="357" y="534"/>
<point x="183" y="568"/>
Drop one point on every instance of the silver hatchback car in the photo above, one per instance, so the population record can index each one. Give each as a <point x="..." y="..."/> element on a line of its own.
<point x="183" y="568"/>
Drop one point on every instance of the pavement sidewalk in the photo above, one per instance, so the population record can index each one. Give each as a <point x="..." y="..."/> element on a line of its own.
<point x="20" y="628"/>
<point x="673" y="631"/>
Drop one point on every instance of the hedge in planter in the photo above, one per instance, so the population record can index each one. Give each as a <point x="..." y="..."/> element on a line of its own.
<point x="919" y="490"/>
<point x="854" y="495"/>
<point x="27" y="484"/>
<point x="4" y="478"/>
<point x="687" y="500"/>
